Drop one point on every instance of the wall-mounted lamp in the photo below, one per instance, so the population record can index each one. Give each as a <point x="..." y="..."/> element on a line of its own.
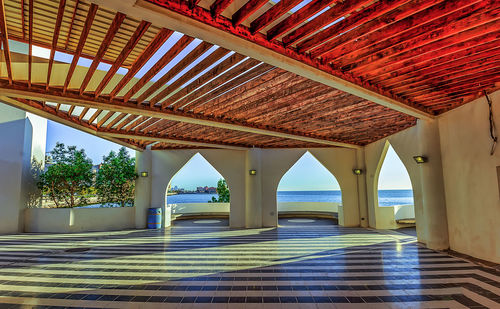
<point x="420" y="159"/>
<point x="357" y="171"/>
<point x="144" y="174"/>
<point x="252" y="172"/>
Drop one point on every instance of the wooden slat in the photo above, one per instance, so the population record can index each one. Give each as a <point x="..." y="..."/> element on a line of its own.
<point x="202" y="65"/>
<point x="105" y="118"/>
<point x="219" y="6"/>
<point x="95" y="115"/>
<point x="75" y="9"/>
<point x="81" y="43"/>
<point x="5" y="41"/>
<point x="158" y="66"/>
<point x="187" y="60"/>
<point x="110" y="34"/>
<point x="148" y="52"/>
<point x="246" y="10"/>
<point x="298" y="17"/>
<point x="132" y="42"/>
<point x="55" y="37"/>
<point x="355" y="19"/>
<point x="278" y="10"/>
<point x="339" y="10"/>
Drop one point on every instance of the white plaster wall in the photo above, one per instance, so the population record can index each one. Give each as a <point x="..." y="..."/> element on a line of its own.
<point x="71" y="220"/>
<point x="470" y="178"/>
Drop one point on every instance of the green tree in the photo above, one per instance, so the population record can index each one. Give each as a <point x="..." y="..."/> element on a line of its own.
<point x="222" y="191"/>
<point x="115" y="181"/>
<point x="68" y="180"/>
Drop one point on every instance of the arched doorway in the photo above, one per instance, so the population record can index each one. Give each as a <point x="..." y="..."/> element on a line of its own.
<point x="199" y="192"/>
<point x="395" y="199"/>
<point x="308" y="190"/>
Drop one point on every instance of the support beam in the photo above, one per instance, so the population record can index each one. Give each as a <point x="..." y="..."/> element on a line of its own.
<point x="200" y="24"/>
<point x="55" y="37"/>
<point x="62" y="119"/>
<point x="57" y="95"/>
<point x="5" y="40"/>
<point x="138" y="136"/>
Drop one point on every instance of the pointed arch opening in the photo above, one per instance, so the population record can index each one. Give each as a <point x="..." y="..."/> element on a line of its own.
<point x="394" y="190"/>
<point x="200" y="193"/>
<point x="308" y="190"/>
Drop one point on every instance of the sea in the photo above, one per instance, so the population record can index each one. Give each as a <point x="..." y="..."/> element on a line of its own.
<point x="386" y="197"/>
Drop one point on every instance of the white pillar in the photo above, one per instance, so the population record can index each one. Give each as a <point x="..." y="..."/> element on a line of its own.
<point x="434" y="203"/>
<point x="23" y="138"/>
<point x="253" y="188"/>
<point x="142" y="199"/>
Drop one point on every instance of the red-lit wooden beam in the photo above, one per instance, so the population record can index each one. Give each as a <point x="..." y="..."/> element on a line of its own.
<point x="219" y="6"/>
<point x="148" y="52"/>
<point x="278" y="10"/>
<point x="336" y="12"/>
<point x="112" y="30"/>
<point x="83" y="37"/>
<point x="296" y="18"/>
<point x="30" y="39"/>
<point x="246" y="10"/>
<point x="158" y="66"/>
<point x="71" y="24"/>
<point x="55" y="37"/>
<point x="5" y="40"/>
<point x="134" y="39"/>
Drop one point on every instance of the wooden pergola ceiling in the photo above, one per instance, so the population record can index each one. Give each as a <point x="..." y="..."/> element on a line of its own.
<point x="141" y="84"/>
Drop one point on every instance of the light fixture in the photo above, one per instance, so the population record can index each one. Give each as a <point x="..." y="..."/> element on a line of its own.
<point x="144" y="174"/>
<point x="253" y="172"/>
<point x="357" y="171"/>
<point x="420" y="159"/>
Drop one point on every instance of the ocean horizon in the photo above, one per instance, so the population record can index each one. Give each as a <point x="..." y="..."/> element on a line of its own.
<point x="386" y="197"/>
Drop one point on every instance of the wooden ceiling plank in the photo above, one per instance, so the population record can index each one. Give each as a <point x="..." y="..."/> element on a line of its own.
<point x="298" y="17"/>
<point x="82" y="114"/>
<point x="57" y="95"/>
<point x="5" y="40"/>
<point x="421" y="52"/>
<point x="131" y="43"/>
<point x="108" y="115"/>
<point x="202" y="65"/>
<point x="162" y="36"/>
<point x="246" y="10"/>
<point x="441" y="23"/>
<point x="181" y="65"/>
<point x="158" y="66"/>
<point x="81" y="43"/>
<point x="236" y="82"/>
<point x="55" y="37"/>
<point x="192" y="100"/>
<point x="354" y="20"/>
<point x="219" y="6"/>
<point x="340" y="9"/>
<point x="395" y="16"/>
<point x="23" y="21"/>
<point x="116" y="120"/>
<point x="205" y="78"/>
<point x="95" y="115"/>
<point x="135" y="123"/>
<point x="110" y="34"/>
<point x="278" y="10"/>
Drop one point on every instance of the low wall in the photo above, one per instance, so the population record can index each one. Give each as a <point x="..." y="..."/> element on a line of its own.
<point x="200" y="208"/>
<point x="387" y="215"/>
<point x="313" y="207"/>
<point x="69" y="220"/>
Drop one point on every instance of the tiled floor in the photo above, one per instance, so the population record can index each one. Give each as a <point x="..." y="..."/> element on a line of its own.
<point x="298" y="265"/>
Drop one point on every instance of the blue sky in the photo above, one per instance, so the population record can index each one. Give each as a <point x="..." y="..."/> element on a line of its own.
<point x="306" y="174"/>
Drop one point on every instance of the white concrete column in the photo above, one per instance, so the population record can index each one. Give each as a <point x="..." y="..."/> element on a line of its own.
<point x="142" y="199"/>
<point x="23" y="138"/>
<point x="361" y="187"/>
<point x="434" y="203"/>
<point x="253" y="188"/>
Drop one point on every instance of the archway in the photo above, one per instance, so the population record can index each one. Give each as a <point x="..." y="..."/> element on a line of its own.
<point x="198" y="191"/>
<point x="309" y="190"/>
<point x="394" y="199"/>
